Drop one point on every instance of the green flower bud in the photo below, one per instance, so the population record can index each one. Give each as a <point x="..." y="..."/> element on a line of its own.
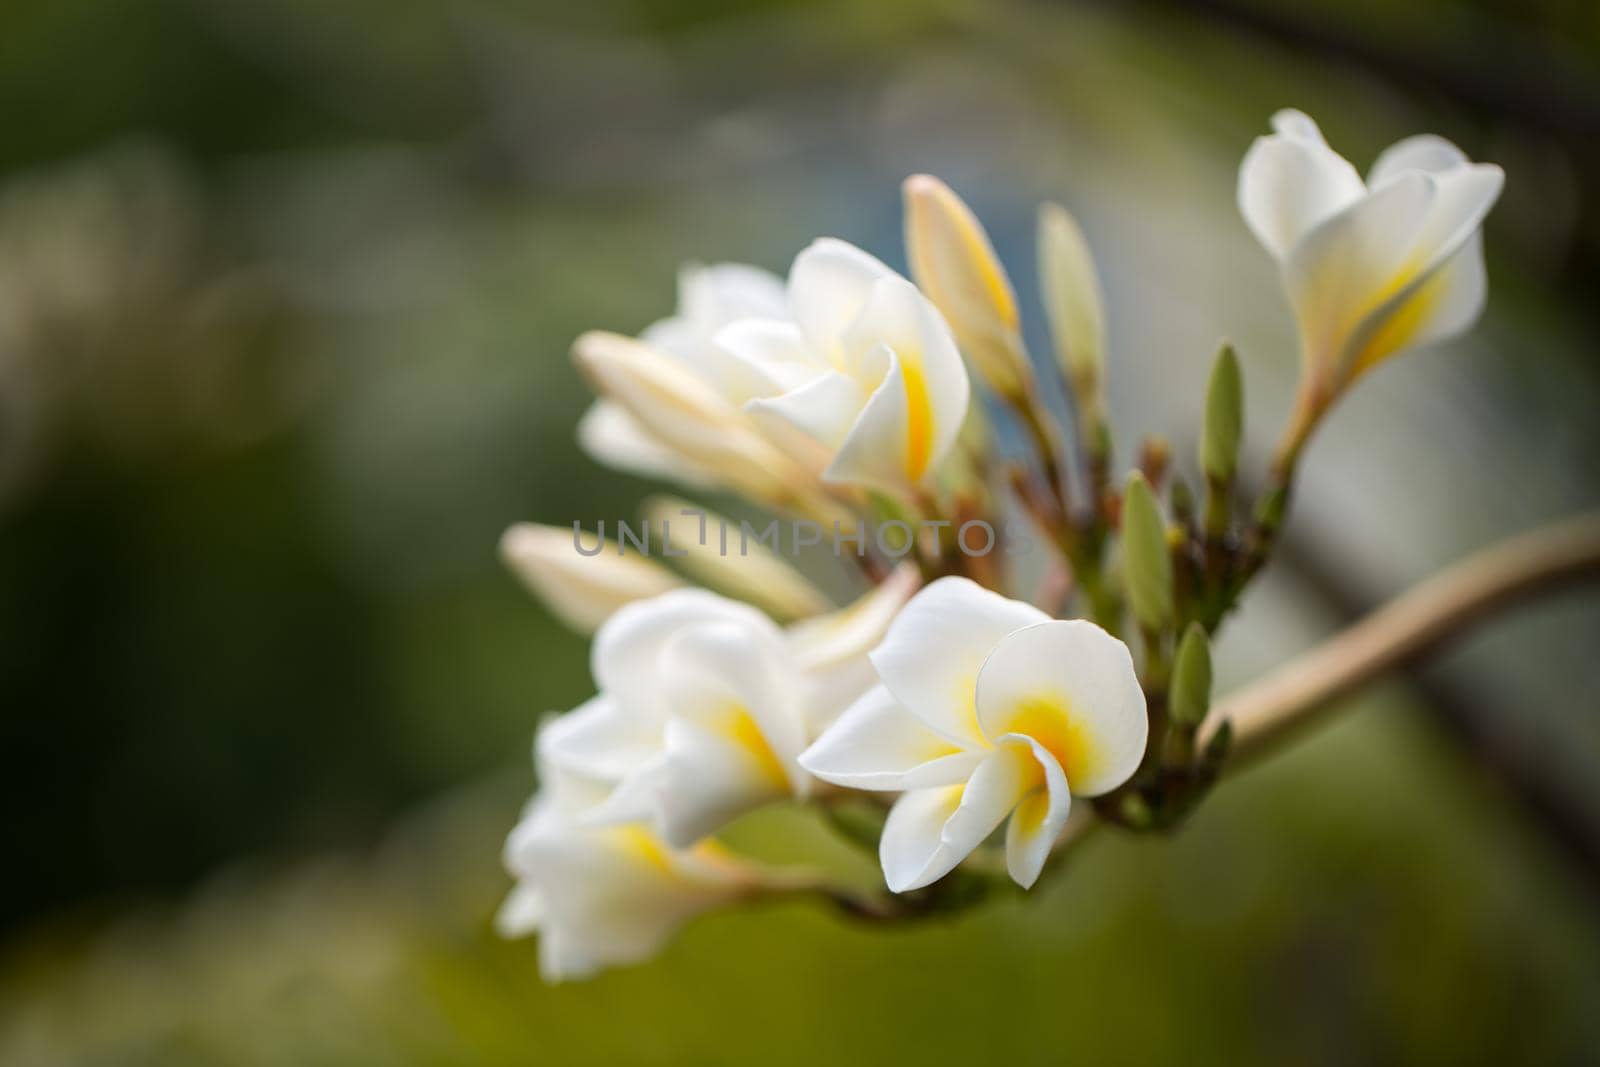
<point x="1219" y="442"/>
<point x="1190" y="696"/>
<point x="1146" y="560"/>
<point x="1071" y="292"/>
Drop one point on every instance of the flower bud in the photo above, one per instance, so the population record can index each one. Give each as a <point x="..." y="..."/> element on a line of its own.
<point x="700" y="541"/>
<point x="1224" y="421"/>
<point x="1146" y="561"/>
<point x="955" y="266"/>
<point x="581" y="589"/>
<point x="685" y="414"/>
<point x="1190" y="696"/>
<point x="1072" y="302"/>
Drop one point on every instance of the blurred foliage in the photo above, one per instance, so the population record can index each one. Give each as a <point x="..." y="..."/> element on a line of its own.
<point x="1298" y="920"/>
<point x="285" y="294"/>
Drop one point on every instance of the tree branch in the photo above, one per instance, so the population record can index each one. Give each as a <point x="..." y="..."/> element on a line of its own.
<point x="1410" y="626"/>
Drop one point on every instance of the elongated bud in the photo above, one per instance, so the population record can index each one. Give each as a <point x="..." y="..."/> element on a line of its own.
<point x="1190" y="697"/>
<point x="708" y="547"/>
<point x="1072" y="302"/>
<point x="1146" y="561"/>
<point x="1224" y="425"/>
<point x="685" y="414"/>
<point x="582" y="578"/>
<point x="954" y="264"/>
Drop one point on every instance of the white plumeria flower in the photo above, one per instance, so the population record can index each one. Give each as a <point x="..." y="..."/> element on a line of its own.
<point x="988" y="709"/>
<point x="865" y="366"/>
<point x="582" y="590"/>
<point x="599" y="896"/>
<point x="1376" y="267"/>
<point x="709" y="298"/>
<point x="699" y="717"/>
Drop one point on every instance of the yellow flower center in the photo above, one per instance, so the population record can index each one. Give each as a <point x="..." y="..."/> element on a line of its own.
<point x="1048" y="719"/>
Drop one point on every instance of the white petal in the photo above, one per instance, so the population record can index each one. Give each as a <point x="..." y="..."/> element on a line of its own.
<point x="626" y="652"/>
<point x="601" y="739"/>
<point x="521" y="913"/>
<point x="1070" y="686"/>
<point x="735" y="680"/>
<point x="612" y="437"/>
<point x="614" y="895"/>
<point x="964" y="817"/>
<point x="1037" y="820"/>
<point x="1291" y="181"/>
<point x="1426" y="151"/>
<point x="824" y="408"/>
<point x="773" y="350"/>
<point x="910" y="850"/>
<point x="710" y="778"/>
<point x="828" y="286"/>
<point x="931" y="655"/>
<point x="876" y="744"/>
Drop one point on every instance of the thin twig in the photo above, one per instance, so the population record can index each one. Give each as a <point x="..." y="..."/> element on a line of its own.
<point x="1407" y="628"/>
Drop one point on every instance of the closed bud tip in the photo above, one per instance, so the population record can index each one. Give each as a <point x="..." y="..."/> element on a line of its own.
<point x="1191" y="678"/>
<point x="1224" y="419"/>
<point x="955" y="266"/>
<point x="1147" y="560"/>
<point x="1070" y="288"/>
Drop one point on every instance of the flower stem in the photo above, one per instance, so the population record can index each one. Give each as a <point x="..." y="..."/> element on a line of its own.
<point x="1415" y="623"/>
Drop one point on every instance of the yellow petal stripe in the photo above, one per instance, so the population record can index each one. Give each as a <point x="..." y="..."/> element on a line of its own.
<point x="919" y="420"/>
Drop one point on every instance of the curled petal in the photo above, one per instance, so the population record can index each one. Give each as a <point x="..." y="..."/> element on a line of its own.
<point x="1038" y="818"/>
<point x="774" y="352"/>
<point x="824" y="408"/>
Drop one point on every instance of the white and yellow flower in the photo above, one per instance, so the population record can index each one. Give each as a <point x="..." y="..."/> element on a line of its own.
<point x="1372" y="268"/>
<point x="599" y="896"/>
<point x="988" y="710"/>
<point x="699" y="717"/>
<point x="705" y="705"/>
<point x="581" y="589"/>
<point x="866" y="366"/>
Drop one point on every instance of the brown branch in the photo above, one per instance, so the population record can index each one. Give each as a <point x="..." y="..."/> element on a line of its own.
<point x="1415" y="623"/>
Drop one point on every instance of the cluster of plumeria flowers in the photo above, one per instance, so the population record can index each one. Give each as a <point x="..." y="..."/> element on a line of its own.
<point x="935" y="709"/>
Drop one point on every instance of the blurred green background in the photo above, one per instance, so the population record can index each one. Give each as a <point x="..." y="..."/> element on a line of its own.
<point x="286" y="288"/>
